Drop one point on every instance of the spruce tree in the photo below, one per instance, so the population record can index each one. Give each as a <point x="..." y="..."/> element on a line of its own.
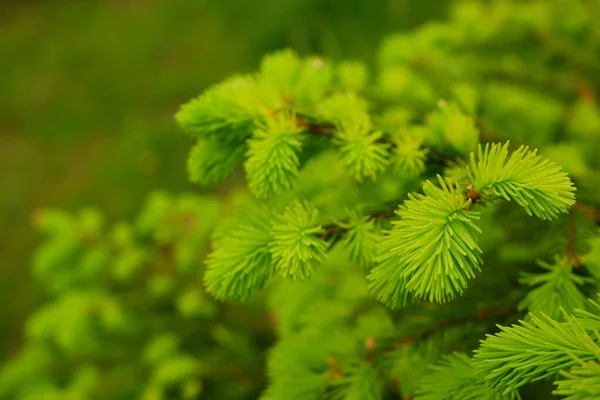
<point x="409" y="231"/>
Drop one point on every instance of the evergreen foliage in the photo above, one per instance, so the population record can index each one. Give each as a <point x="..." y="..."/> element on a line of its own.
<point x="431" y="251"/>
<point x="126" y="315"/>
<point x="536" y="184"/>
<point x="399" y="243"/>
<point x="454" y="377"/>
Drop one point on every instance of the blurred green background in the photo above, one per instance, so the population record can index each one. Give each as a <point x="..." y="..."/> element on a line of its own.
<point x="88" y="91"/>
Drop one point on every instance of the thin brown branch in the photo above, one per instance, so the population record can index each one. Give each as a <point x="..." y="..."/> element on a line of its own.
<point x="315" y="128"/>
<point x="334" y="231"/>
<point x="434" y="156"/>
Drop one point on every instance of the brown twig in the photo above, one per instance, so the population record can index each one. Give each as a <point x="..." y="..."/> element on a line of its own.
<point x="333" y="231"/>
<point x="314" y="128"/>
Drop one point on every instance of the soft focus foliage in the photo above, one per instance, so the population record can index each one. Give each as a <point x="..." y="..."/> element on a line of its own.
<point x="410" y="229"/>
<point x="126" y="314"/>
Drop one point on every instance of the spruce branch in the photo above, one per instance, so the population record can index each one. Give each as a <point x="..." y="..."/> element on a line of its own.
<point x="454" y="378"/>
<point x="314" y="127"/>
<point x="568" y="51"/>
<point x="362" y="152"/>
<point x="592" y="212"/>
<point x="570" y="250"/>
<point x="431" y="251"/>
<point x="483" y="315"/>
<point x="581" y="382"/>
<point x="240" y="262"/>
<point x="556" y="291"/>
<point x="335" y="230"/>
<point x="358" y="383"/>
<point x="536" y="350"/>
<point x="533" y="182"/>
<point x="297" y="248"/>
<point x="272" y="164"/>
<point x="227" y="112"/>
<point x="211" y="161"/>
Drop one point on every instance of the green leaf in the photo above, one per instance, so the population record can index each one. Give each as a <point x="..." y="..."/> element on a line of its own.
<point x="19" y="372"/>
<point x="591" y="260"/>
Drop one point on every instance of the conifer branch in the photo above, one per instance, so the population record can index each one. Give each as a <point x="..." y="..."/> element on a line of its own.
<point x="592" y="212"/>
<point x="137" y="288"/>
<point x="434" y="155"/>
<point x="335" y="231"/>
<point x="315" y="128"/>
<point x="570" y="250"/>
<point x="568" y="51"/>
<point x="537" y="349"/>
<point x="492" y="315"/>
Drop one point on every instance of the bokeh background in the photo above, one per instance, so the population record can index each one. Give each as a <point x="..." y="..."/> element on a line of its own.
<point x="88" y="90"/>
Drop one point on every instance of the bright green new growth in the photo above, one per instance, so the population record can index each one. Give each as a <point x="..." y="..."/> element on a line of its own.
<point x="300" y="378"/>
<point x="126" y="314"/>
<point x="404" y="127"/>
<point x="296" y="248"/>
<point x="535" y="183"/>
<point x="409" y="156"/>
<point x="241" y="261"/>
<point x="361" y="240"/>
<point x="212" y="162"/>
<point x="374" y="228"/>
<point x="455" y="126"/>
<point x="227" y="111"/>
<point x="556" y="291"/>
<point x="257" y="243"/>
<point x="359" y="384"/>
<point x="454" y="378"/>
<point x="272" y="164"/>
<point x="432" y="251"/>
<point x="538" y="349"/>
<point x="362" y="155"/>
<point x="362" y="152"/>
<point x="581" y="383"/>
